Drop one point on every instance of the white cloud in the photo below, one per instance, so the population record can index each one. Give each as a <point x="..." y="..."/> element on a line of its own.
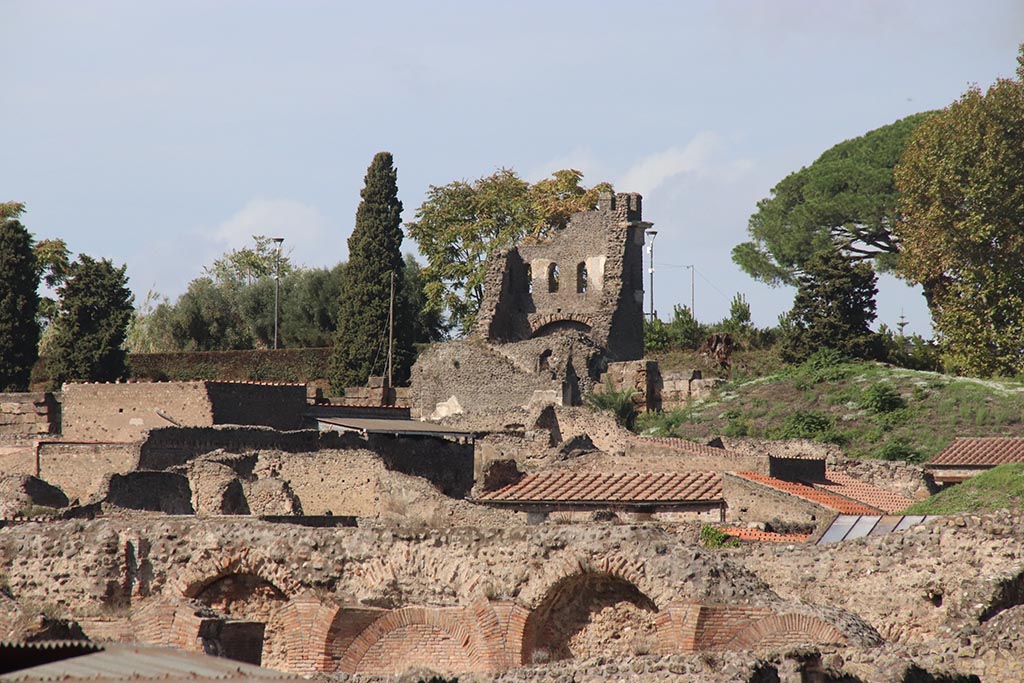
<point x="653" y="170"/>
<point x="303" y="227"/>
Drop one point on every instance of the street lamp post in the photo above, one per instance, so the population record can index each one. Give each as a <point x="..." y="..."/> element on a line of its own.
<point x="650" y="257"/>
<point x="277" y="285"/>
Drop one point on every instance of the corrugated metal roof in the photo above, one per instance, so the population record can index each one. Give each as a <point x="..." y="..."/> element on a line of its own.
<point x="849" y="527"/>
<point x="140" y="662"/>
<point x="981" y="451"/>
<point x="570" y="486"/>
<point x="388" y="426"/>
<point x="821" y="497"/>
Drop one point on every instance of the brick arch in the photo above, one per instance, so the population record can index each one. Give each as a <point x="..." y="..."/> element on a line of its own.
<point x="438" y="638"/>
<point x="786" y="630"/>
<point x="539" y="323"/>
<point x="202" y="573"/>
<point x="630" y="570"/>
<point x="377" y="578"/>
<point x="583" y="614"/>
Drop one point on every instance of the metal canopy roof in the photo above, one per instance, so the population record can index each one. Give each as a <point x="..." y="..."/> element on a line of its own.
<point x="849" y="527"/>
<point x="369" y="425"/>
<point x="140" y="662"/>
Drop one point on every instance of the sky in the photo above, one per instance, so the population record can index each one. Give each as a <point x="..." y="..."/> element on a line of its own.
<point x="161" y="134"/>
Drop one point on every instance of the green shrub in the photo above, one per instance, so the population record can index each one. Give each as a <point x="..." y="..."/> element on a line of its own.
<point x="809" y="424"/>
<point x="881" y="398"/>
<point x="736" y="427"/>
<point x="713" y="537"/>
<point x="897" y="449"/>
<point x="619" y="402"/>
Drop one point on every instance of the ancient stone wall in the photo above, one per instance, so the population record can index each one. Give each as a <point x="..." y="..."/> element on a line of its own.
<point x="125" y="412"/>
<point x="375" y="601"/>
<point x="750" y="502"/>
<point x="79" y="469"/>
<point x="586" y="277"/>
<point x="28" y="414"/>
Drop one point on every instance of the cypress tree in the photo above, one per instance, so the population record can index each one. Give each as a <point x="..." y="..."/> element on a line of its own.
<point x="374" y="253"/>
<point x="19" y="301"/>
<point x="92" y="323"/>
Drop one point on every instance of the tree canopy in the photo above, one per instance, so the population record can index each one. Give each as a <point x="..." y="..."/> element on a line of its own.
<point x="846" y="199"/>
<point x="19" y="300"/>
<point x="462" y="223"/>
<point x="961" y="185"/>
<point x="92" y="321"/>
<point x="375" y="261"/>
<point x="249" y="264"/>
<point x="833" y="306"/>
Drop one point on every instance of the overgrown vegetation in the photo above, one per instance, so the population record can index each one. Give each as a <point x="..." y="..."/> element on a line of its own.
<point x="869" y="409"/>
<point x="712" y="537"/>
<point x="999" y="488"/>
<point x="617" y="401"/>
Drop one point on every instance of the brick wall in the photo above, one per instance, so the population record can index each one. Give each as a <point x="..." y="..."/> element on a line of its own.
<point x="172" y="446"/>
<point x="28" y="414"/>
<point x="123" y="412"/>
<point x="79" y="469"/>
<point x="272" y="405"/>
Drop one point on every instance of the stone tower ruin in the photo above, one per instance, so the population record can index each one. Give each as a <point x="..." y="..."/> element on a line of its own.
<point x="555" y="312"/>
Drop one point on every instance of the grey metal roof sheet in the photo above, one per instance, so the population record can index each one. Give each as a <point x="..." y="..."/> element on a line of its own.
<point x="388" y="426"/>
<point x="139" y="662"/>
<point x="849" y="527"/>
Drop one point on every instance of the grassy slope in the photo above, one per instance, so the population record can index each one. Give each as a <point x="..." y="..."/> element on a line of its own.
<point x="830" y="402"/>
<point x="999" y="488"/>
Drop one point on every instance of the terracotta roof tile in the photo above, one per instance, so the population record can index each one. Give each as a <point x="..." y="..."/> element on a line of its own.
<point x="821" y="497"/>
<point x="758" y="535"/>
<point x="981" y="451"/>
<point x="862" y="491"/>
<point x="595" y="487"/>
<point x="686" y="446"/>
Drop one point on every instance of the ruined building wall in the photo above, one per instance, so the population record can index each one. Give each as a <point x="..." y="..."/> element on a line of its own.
<point x="26" y="414"/>
<point x="586" y="277"/>
<point x="79" y="469"/>
<point x="125" y="412"/>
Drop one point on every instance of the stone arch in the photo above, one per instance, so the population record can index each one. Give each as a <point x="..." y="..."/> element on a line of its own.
<point x="412" y="637"/>
<point x="546" y="324"/>
<point x="590" y="615"/>
<point x="197" y="576"/>
<point x="375" y="581"/>
<point x="592" y="609"/>
<point x="786" y="630"/>
<point x="245" y="587"/>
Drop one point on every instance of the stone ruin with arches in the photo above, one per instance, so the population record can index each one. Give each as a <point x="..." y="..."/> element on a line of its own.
<point x="556" y="311"/>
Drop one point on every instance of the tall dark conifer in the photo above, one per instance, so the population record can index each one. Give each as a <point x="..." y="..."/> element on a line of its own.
<point x="19" y="301"/>
<point x="834" y="304"/>
<point x="92" y="322"/>
<point x="374" y="253"/>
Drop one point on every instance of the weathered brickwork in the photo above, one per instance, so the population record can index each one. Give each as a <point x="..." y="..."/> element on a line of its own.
<point x="382" y="601"/>
<point x="126" y="412"/>
<point x="555" y="311"/>
<point x="28" y="414"/>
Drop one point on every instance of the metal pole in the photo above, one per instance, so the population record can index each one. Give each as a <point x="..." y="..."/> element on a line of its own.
<point x="692" y="311"/>
<point x="391" y="327"/>
<point x="277" y="286"/>
<point x="650" y="254"/>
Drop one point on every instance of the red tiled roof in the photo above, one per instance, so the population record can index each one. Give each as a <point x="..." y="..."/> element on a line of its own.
<point x="825" y="498"/>
<point x="758" y="535"/>
<point x="863" y="492"/>
<point x="595" y="487"/>
<point x="685" y="446"/>
<point x="981" y="451"/>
